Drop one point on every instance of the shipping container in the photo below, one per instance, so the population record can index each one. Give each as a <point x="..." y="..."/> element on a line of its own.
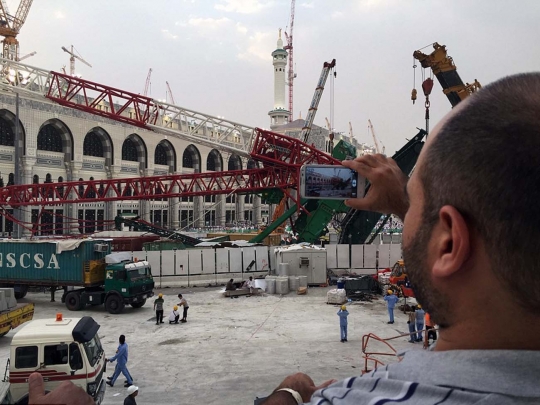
<point x="53" y="262"/>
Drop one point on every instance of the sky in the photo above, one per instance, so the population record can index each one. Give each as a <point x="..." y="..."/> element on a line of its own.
<point x="216" y="54"/>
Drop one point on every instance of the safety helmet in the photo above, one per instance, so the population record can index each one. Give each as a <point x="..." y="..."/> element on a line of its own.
<point x="343" y="307"/>
<point x="390" y="292"/>
<point x="160" y="295"/>
<point x="131" y="389"/>
<point x="176" y="308"/>
<point x="419" y="306"/>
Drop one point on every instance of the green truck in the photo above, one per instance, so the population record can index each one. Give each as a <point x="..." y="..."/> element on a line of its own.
<point x="84" y="268"/>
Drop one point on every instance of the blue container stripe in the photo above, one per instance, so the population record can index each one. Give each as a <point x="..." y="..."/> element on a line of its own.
<point x="38" y="262"/>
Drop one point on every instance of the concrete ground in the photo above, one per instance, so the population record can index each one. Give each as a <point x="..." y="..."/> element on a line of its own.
<point x="231" y="350"/>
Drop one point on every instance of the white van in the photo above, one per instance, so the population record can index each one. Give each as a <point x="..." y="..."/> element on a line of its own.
<point x="61" y="349"/>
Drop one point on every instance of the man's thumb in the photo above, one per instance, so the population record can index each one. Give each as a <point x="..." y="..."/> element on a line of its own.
<point x="36" y="387"/>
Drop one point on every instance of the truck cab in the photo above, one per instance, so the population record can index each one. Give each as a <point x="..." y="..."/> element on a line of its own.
<point x="60" y="350"/>
<point x="129" y="283"/>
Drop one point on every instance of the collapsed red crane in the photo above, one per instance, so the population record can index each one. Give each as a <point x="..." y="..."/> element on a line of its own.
<point x="281" y="157"/>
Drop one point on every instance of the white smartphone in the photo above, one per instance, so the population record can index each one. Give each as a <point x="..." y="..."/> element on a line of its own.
<point x="330" y="182"/>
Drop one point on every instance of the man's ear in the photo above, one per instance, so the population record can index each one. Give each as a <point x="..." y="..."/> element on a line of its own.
<point x="451" y="242"/>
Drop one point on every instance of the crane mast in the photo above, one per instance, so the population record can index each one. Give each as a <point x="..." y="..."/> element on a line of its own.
<point x="10" y="26"/>
<point x="289" y="47"/>
<point x="170" y="93"/>
<point x="306" y="129"/>
<point x="147" y="84"/>
<point x="377" y="148"/>
<point x="72" y="60"/>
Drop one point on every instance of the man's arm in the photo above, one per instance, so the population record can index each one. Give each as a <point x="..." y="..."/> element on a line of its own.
<point x="387" y="193"/>
<point x="121" y="350"/>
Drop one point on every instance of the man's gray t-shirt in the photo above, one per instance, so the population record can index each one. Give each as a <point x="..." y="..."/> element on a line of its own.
<point x="453" y="377"/>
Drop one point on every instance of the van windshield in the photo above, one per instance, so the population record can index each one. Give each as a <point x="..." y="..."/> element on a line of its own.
<point x="93" y="350"/>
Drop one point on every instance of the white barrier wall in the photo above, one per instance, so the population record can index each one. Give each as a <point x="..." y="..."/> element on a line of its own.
<point x="218" y="265"/>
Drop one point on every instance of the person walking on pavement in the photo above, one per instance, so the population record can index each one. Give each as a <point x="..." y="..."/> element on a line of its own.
<point x="419" y="322"/>
<point x="158" y="307"/>
<point x="183" y="303"/>
<point x="132" y="392"/>
<point x="412" y="325"/>
<point x="391" y="300"/>
<point x="430" y="328"/>
<point x="343" y="314"/>
<point x="121" y="357"/>
<point x="174" y="316"/>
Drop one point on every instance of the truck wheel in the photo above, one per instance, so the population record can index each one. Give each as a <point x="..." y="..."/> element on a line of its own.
<point x="114" y="304"/>
<point x="21" y="293"/>
<point x="138" y="304"/>
<point x="73" y="301"/>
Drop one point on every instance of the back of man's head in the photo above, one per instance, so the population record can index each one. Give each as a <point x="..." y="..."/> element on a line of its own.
<point x="485" y="161"/>
<point x="122" y="339"/>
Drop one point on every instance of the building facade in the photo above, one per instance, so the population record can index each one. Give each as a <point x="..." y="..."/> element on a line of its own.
<point x="63" y="144"/>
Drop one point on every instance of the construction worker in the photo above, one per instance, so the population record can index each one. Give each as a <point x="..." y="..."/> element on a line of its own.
<point x="158" y="307"/>
<point x="343" y="314"/>
<point x="419" y="322"/>
<point x="132" y="392"/>
<point x="183" y="303"/>
<point x="391" y="300"/>
<point x="121" y="366"/>
<point x="412" y="325"/>
<point x="174" y="316"/>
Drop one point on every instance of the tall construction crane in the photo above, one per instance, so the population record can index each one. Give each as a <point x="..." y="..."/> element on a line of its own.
<point x="147" y="84"/>
<point x="306" y="129"/>
<point x="377" y="148"/>
<point x="72" y="60"/>
<point x="10" y="26"/>
<point x="170" y="93"/>
<point x="28" y="55"/>
<point x="289" y="47"/>
<point x="350" y="133"/>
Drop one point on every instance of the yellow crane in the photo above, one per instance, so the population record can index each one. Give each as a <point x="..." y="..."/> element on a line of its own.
<point x="10" y="26"/>
<point x="377" y="148"/>
<point x="72" y="60"/>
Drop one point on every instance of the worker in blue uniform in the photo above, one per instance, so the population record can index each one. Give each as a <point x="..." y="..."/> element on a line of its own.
<point x="121" y="357"/>
<point x="343" y="314"/>
<point x="391" y="300"/>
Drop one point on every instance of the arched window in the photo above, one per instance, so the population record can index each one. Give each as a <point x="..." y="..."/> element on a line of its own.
<point x="160" y="155"/>
<point x="7" y="137"/>
<point x="93" y="145"/>
<point x="60" y="179"/>
<point x="129" y="151"/>
<point x="49" y="139"/>
<point x="48" y="178"/>
<point x="211" y="163"/>
<point x="11" y="179"/>
<point x="187" y="159"/>
<point x="35" y="179"/>
<point x="251" y="164"/>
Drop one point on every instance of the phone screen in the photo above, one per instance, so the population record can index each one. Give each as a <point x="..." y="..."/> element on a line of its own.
<point x="330" y="182"/>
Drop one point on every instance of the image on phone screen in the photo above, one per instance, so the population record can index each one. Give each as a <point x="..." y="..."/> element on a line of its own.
<point x="331" y="182"/>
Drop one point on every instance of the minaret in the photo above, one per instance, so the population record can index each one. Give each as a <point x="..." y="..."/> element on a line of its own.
<point x="279" y="115"/>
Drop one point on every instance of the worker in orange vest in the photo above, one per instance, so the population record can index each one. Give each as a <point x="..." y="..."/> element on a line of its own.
<point x="431" y="333"/>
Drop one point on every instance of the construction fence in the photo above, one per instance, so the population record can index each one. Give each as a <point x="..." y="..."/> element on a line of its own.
<point x="211" y="266"/>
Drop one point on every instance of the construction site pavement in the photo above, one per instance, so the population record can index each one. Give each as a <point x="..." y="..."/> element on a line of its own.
<point x="231" y="350"/>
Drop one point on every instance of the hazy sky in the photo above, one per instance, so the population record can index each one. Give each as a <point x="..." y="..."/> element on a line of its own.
<point x="215" y="54"/>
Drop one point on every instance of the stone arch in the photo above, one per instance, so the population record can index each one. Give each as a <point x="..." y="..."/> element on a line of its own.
<point x="53" y="131"/>
<point x="192" y="158"/>
<point x="98" y="143"/>
<point x="7" y="129"/>
<point x="251" y="164"/>
<point x="165" y="155"/>
<point x="235" y="163"/>
<point x="134" y="150"/>
<point x="214" y="161"/>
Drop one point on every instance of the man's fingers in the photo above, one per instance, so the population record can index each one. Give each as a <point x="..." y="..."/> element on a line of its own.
<point x="326" y="384"/>
<point x="36" y="387"/>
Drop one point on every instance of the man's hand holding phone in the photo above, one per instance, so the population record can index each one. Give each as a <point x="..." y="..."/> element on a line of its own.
<point x="387" y="193"/>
